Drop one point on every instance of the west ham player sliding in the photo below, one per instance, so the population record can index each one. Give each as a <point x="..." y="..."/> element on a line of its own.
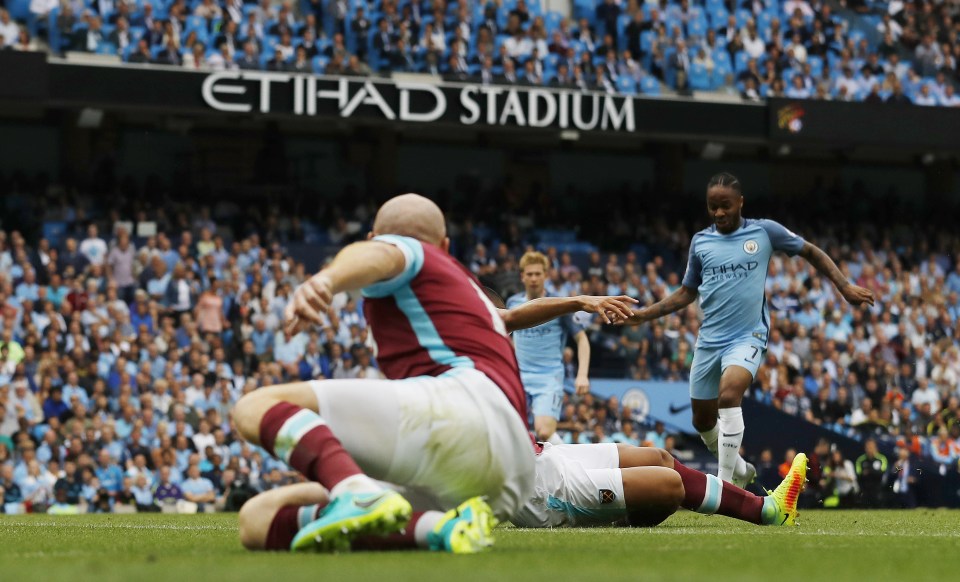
<point x="449" y="425"/>
<point x="727" y="268"/>
<point x="576" y="486"/>
<point x="540" y="352"/>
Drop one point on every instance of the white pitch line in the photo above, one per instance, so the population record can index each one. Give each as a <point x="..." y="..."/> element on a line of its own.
<point x="62" y="524"/>
<point x="701" y="531"/>
<point x="558" y="531"/>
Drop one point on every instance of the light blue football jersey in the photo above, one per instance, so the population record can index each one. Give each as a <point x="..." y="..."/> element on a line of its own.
<point x="729" y="271"/>
<point x="540" y="349"/>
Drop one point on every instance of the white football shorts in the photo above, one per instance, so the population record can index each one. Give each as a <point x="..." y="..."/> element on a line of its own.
<point x="576" y="485"/>
<point x="439" y="440"/>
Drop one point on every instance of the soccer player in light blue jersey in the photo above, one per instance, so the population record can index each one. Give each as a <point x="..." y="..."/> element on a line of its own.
<point x="540" y="352"/>
<point x="727" y="269"/>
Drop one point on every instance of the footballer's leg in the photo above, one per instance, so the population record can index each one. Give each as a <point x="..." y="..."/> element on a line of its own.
<point x="651" y="494"/>
<point x="707" y="494"/>
<point x="271" y="520"/>
<point x="704" y="391"/>
<point x="739" y="364"/>
<point x="733" y="385"/>
<point x="546" y="401"/>
<point x="285" y="421"/>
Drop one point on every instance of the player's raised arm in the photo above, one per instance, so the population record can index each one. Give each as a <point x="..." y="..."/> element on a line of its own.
<point x="356" y="266"/>
<point x="822" y="262"/>
<point x="532" y="313"/>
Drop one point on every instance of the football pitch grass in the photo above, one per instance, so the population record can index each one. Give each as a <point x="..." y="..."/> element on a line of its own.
<point x="840" y="545"/>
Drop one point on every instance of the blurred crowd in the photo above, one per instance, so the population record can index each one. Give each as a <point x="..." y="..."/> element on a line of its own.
<point x="127" y="333"/>
<point x="847" y="50"/>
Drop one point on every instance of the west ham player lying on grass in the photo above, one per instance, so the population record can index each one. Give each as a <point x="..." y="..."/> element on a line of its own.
<point x="449" y="423"/>
<point x="576" y="485"/>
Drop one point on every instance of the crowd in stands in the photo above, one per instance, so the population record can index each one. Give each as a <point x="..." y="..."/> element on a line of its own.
<point x="851" y="50"/>
<point x="122" y="350"/>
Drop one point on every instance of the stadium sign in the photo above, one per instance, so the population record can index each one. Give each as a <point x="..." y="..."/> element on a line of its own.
<point x="495" y="105"/>
<point x="318" y="99"/>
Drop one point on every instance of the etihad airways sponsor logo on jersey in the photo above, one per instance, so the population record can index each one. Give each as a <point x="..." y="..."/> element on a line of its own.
<point x="542" y="330"/>
<point x="729" y="271"/>
<point x="268" y="92"/>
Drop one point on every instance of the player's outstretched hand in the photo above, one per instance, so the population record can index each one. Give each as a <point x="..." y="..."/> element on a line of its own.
<point x="611" y="309"/>
<point x="857" y="295"/>
<point x="582" y="384"/>
<point x="310" y="301"/>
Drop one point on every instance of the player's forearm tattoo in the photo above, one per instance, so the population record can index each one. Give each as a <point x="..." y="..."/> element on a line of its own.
<point x="823" y="264"/>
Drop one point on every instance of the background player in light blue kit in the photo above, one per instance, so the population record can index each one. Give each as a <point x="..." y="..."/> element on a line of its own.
<point x="540" y="352"/>
<point x="727" y="269"/>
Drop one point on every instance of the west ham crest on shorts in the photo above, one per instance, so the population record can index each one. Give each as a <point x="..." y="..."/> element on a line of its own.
<point x="607" y="496"/>
<point x="751" y="247"/>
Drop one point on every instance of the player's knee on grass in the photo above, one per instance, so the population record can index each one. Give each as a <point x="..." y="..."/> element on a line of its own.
<point x="652" y="494"/>
<point x="269" y="520"/>
<point x="254" y="519"/>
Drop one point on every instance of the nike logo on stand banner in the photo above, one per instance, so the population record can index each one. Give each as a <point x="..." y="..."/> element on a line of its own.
<point x="674" y="409"/>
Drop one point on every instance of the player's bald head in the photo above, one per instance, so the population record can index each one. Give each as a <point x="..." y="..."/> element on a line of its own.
<point x="411" y="215"/>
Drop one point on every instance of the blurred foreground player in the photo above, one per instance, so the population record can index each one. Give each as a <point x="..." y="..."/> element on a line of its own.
<point x="576" y="486"/>
<point x="446" y="427"/>
<point x="540" y="352"/>
<point x="727" y="269"/>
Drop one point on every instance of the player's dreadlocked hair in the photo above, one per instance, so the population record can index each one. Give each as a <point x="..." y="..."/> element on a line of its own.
<point x="725" y="180"/>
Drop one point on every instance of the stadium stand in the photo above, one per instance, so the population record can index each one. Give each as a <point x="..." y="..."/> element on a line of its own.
<point x="128" y="331"/>
<point x="851" y="50"/>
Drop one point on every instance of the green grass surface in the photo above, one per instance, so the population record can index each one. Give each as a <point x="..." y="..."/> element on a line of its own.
<point x="863" y="546"/>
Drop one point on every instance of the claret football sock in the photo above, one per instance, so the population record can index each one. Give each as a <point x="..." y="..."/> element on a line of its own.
<point x="302" y="439"/>
<point x="413" y="537"/>
<point x="731" y="436"/>
<point x="707" y="494"/>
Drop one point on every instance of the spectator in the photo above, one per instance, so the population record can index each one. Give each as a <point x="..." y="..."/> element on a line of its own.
<point x="11" y="490"/>
<point x="839" y="482"/>
<point x="9" y="30"/>
<point x="905" y="480"/>
<point x="142" y="54"/>
<point x="656" y="437"/>
<point x="250" y="60"/>
<point x="119" y="263"/>
<point x="871" y="469"/>
<point x="94" y="248"/>
<point x="167" y="492"/>
<point x="223" y="60"/>
<point x="197" y="489"/>
<point x="924" y="97"/>
<point x="142" y="495"/>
